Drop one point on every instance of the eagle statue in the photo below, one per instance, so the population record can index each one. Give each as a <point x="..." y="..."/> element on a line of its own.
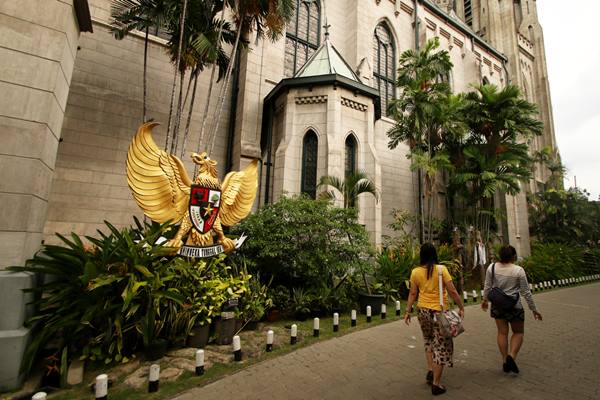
<point x="163" y="189"/>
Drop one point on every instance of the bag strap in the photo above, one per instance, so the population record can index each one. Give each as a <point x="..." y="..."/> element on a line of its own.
<point x="440" y="286"/>
<point x="493" y="273"/>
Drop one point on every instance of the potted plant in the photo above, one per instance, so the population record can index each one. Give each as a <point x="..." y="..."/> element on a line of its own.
<point x="158" y="297"/>
<point x="300" y="304"/>
<point x="280" y="297"/>
<point x="253" y="304"/>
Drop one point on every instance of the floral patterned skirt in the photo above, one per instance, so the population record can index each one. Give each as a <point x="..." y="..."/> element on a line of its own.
<point x="441" y="347"/>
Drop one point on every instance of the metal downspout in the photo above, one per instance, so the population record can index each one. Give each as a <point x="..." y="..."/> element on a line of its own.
<point x="233" y="111"/>
<point x="271" y="112"/>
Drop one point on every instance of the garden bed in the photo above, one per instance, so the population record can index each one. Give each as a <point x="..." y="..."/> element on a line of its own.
<point x="130" y="380"/>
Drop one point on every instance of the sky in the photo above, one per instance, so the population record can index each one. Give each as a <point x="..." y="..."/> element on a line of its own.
<point x="573" y="57"/>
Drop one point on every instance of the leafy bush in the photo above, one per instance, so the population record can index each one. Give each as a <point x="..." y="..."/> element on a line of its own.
<point x="393" y="269"/>
<point x="564" y="216"/>
<point x="553" y="261"/>
<point x="303" y="243"/>
<point x="101" y="302"/>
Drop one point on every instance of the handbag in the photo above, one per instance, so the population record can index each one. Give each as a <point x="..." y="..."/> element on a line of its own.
<point x="451" y="325"/>
<point x="499" y="299"/>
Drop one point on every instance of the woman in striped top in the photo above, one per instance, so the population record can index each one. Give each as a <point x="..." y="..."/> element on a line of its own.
<point x="512" y="280"/>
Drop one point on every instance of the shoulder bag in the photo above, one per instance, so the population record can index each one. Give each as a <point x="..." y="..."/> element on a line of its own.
<point x="451" y="325"/>
<point x="499" y="299"/>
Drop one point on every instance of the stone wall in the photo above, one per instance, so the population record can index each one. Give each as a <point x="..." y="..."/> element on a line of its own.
<point x="38" y="46"/>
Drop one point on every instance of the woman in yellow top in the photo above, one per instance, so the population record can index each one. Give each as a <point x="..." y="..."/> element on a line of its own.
<point x="424" y="285"/>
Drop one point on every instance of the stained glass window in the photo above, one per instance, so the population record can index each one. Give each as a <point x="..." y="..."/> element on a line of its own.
<point x="302" y="36"/>
<point x="309" y="164"/>
<point x="384" y="65"/>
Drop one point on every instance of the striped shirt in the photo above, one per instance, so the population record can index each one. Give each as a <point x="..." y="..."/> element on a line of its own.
<point x="512" y="280"/>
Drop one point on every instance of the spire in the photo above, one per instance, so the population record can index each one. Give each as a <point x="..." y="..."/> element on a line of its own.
<point x="326" y="60"/>
<point x="327" y="25"/>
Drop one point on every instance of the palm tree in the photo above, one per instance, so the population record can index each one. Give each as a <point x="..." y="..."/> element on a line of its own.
<point x="426" y="115"/>
<point x="140" y="15"/>
<point x="196" y="36"/>
<point x="353" y="185"/>
<point x="264" y="18"/>
<point x="495" y="156"/>
<point x="350" y="188"/>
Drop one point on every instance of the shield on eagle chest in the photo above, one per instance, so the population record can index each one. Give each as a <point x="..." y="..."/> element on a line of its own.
<point x="204" y="207"/>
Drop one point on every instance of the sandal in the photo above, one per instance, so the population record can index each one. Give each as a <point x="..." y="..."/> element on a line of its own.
<point x="437" y="390"/>
<point x="429" y="377"/>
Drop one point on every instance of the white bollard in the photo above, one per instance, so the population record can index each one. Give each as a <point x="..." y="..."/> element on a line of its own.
<point x="368" y="313"/>
<point x="316" y="327"/>
<point x="270" y="336"/>
<point x="199" y="362"/>
<point x="465" y="296"/>
<point x="101" y="388"/>
<point x="353" y="318"/>
<point x="294" y="334"/>
<point x="153" y="378"/>
<point x="398" y="306"/>
<point x="481" y="294"/>
<point x="383" y="311"/>
<point x="474" y="295"/>
<point x="237" y="348"/>
<point x="336" y="322"/>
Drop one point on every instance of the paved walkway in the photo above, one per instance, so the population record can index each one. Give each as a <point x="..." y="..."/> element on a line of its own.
<point x="560" y="359"/>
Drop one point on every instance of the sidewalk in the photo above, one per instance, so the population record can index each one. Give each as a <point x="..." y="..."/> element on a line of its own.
<point x="560" y="359"/>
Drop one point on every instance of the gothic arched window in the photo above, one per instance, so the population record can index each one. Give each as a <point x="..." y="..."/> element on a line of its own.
<point x="485" y="81"/>
<point x="309" y="164"/>
<point x="384" y="65"/>
<point x="350" y="156"/>
<point x="350" y="161"/>
<point x="302" y="35"/>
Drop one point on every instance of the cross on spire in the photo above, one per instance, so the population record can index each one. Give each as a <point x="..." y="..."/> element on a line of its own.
<point x="326" y="27"/>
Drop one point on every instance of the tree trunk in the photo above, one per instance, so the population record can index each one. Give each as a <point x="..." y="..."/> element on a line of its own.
<point x="225" y="86"/>
<point x="177" y="63"/>
<point x="420" y="205"/>
<point x="145" y="83"/>
<point x="211" y="82"/>
<point x="175" y="142"/>
<point x="189" y="118"/>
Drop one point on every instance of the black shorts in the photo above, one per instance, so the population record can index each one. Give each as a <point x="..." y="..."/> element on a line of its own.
<point x="513" y="315"/>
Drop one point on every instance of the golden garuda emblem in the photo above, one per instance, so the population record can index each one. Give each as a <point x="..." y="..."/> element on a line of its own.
<point x="163" y="189"/>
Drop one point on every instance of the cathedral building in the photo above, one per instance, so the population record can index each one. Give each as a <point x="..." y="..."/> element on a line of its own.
<point x="313" y="103"/>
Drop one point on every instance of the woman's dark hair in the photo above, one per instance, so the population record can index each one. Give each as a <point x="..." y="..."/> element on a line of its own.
<point x="508" y="254"/>
<point x="428" y="257"/>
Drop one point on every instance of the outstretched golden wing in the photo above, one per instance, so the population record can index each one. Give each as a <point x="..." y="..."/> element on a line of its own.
<point x="158" y="180"/>
<point x="239" y="192"/>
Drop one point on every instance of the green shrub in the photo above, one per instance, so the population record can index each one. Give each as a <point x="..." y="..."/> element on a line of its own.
<point x="553" y="261"/>
<point x="304" y="243"/>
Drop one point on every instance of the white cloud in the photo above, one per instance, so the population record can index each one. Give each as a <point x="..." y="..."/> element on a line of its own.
<point x="573" y="68"/>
